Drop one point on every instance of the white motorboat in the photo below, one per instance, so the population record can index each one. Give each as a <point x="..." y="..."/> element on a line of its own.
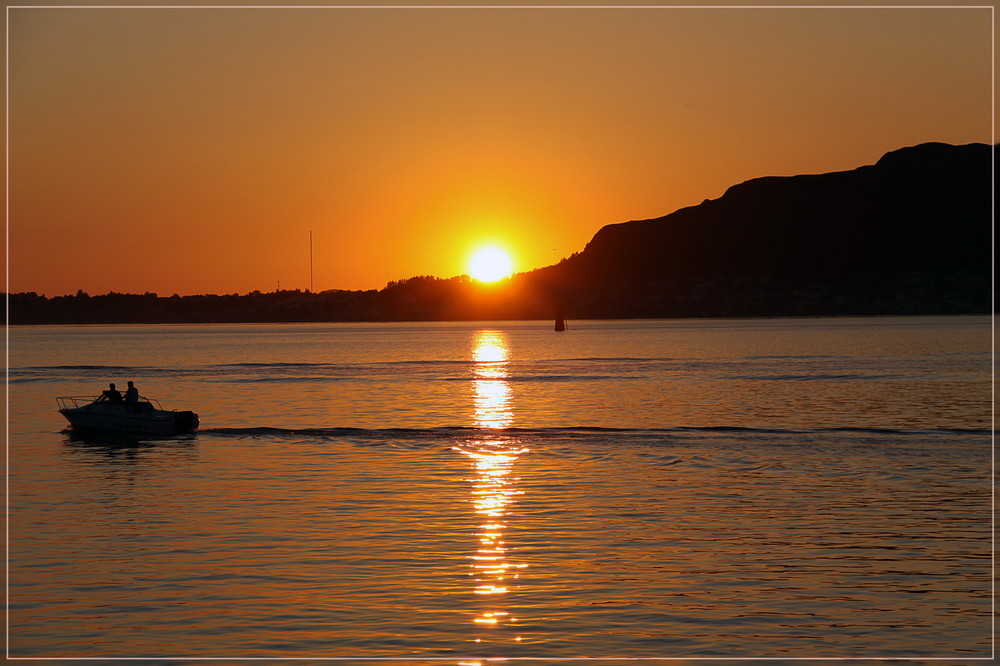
<point x="145" y="417"/>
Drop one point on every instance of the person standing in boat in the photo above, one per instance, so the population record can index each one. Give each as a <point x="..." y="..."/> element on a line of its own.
<point x="112" y="394"/>
<point x="132" y="397"/>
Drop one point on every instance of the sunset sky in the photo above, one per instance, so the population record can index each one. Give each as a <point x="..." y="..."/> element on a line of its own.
<point x="192" y="150"/>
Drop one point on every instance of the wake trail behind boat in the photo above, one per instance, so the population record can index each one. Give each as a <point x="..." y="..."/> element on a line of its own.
<point x="589" y="432"/>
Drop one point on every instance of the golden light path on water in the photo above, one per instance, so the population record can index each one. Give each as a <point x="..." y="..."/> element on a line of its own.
<point x="494" y="488"/>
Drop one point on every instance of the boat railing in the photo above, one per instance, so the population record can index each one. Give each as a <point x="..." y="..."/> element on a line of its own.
<point x="74" y="401"/>
<point x="77" y="401"/>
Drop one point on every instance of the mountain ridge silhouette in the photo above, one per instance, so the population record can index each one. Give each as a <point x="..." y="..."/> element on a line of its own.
<point x="865" y="240"/>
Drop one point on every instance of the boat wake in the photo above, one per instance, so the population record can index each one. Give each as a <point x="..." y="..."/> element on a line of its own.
<point x="581" y="432"/>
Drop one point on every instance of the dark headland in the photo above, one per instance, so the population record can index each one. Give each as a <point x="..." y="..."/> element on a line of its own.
<point x="910" y="234"/>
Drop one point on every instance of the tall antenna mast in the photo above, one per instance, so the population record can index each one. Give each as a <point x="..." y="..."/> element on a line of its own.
<point x="311" y="262"/>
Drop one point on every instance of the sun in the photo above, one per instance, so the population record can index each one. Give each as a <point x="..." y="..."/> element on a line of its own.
<point x="490" y="264"/>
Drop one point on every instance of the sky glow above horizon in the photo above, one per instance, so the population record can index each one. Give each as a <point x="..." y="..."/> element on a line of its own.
<point x="193" y="150"/>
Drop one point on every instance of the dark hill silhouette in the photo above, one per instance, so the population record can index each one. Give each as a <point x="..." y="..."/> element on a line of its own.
<point x="909" y="234"/>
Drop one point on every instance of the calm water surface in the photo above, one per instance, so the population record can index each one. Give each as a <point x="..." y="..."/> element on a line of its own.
<point x="671" y="489"/>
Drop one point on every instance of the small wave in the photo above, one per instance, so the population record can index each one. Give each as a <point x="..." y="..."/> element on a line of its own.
<point x="540" y="378"/>
<point x="307" y="364"/>
<point x="435" y="362"/>
<point x="62" y="371"/>
<point x="107" y="368"/>
<point x="270" y="365"/>
<point x="281" y="380"/>
<point x="820" y="377"/>
<point x="747" y="429"/>
<point x="31" y="380"/>
<point x="572" y="378"/>
<point x="619" y="359"/>
<point x="796" y="357"/>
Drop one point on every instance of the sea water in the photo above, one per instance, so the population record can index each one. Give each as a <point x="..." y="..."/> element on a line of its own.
<point x="811" y="488"/>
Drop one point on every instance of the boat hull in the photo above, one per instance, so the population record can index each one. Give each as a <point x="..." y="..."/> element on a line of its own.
<point x="110" y="417"/>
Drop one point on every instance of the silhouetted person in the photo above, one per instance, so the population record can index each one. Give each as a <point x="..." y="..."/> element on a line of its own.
<point x="112" y="394"/>
<point x="132" y="397"/>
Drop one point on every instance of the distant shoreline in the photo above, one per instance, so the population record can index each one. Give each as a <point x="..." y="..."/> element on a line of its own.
<point x="283" y="308"/>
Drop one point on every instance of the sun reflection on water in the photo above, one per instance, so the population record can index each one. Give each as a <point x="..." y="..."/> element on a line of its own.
<point x="491" y="392"/>
<point x="494" y="488"/>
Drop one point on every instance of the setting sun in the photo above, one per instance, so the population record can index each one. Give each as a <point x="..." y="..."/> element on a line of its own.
<point x="490" y="264"/>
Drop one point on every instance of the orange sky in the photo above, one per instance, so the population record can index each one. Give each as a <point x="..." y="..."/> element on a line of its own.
<point x="193" y="150"/>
